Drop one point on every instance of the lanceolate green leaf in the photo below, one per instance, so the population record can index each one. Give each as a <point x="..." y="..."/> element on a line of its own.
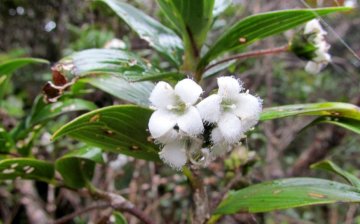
<point x="77" y="166"/>
<point x="332" y="109"/>
<point x="348" y="123"/>
<point x="287" y="193"/>
<point x="158" y="36"/>
<point x="332" y="167"/>
<point x="10" y="66"/>
<point x="108" y="61"/>
<point x="191" y="18"/>
<point x="27" y="169"/>
<point x="52" y="110"/>
<point x="259" y="26"/>
<point x="134" y="92"/>
<point x="120" y="129"/>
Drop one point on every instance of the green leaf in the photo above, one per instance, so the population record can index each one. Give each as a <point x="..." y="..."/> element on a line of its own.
<point x="109" y="61"/>
<point x="164" y="76"/>
<point x="119" y="218"/>
<point x="120" y="129"/>
<point x="6" y="142"/>
<point x="259" y="26"/>
<point x="45" y="112"/>
<point x="134" y="92"/>
<point x="27" y="169"/>
<point x="220" y="6"/>
<point x="332" y="167"/>
<point x="333" y="109"/>
<point x="287" y="193"/>
<point x="158" y="36"/>
<point x="192" y="19"/>
<point x="9" y="66"/>
<point x="77" y="166"/>
<point x="348" y="123"/>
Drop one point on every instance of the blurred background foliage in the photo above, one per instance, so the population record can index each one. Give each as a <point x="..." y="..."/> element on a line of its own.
<point x="52" y="29"/>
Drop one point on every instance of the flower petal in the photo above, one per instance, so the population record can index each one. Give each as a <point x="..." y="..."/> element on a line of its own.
<point x="170" y="136"/>
<point x="188" y="91"/>
<point x="174" y="154"/>
<point x="216" y="136"/>
<point x="314" y="26"/>
<point x="229" y="87"/>
<point x="248" y="106"/>
<point x="220" y="149"/>
<point x="230" y="127"/>
<point x="162" y="95"/>
<point x="161" y="121"/>
<point x="190" y="122"/>
<point x="209" y="108"/>
<point x="313" y="67"/>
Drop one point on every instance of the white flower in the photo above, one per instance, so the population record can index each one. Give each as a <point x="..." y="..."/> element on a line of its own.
<point x="232" y="111"/>
<point x="322" y="57"/>
<point x="174" y="109"/>
<point x="314" y="26"/>
<point x="115" y="44"/>
<point x="176" y="153"/>
<point x="119" y="162"/>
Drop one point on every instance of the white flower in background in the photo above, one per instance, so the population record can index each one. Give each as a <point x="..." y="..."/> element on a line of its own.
<point x="119" y="162"/>
<point x="233" y="112"/>
<point x="175" y="109"/>
<point x="322" y="57"/>
<point x="115" y="44"/>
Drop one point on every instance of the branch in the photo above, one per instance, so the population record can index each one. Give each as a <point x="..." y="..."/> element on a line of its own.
<point x="119" y="203"/>
<point x="250" y="54"/>
<point x="71" y="216"/>
<point x="200" y="198"/>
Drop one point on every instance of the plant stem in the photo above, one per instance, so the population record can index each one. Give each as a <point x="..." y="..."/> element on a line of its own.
<point x="250" y="55"/>
<point x="119" y="203"/>
<point x="71" y="216"/>
<point x="201" y="211"/>
<point x="213" y="219"/>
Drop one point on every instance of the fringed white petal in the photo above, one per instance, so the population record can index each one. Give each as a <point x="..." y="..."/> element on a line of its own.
<point x="161" y="121"/>
<point x="314" y="26"/>
<point x="162" y="95"/>
<point x="190" y="122"/>
<point x="248" y="106"/>
<point x="220" y="149"/>
<point x="174" y="154"/>
<point x="322" y="57"/>
<point x="216" y="136"/>
<point x="210" y="108"/>
<point x="229" y="87"/>
<point x="313" y="67"/>
<point x="170" y="136"/>
<point x="188" y="91"/>
<point x="230" y="127"/>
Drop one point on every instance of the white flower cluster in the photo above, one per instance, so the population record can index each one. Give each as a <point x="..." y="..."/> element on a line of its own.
<point x="322" y="57"/>
<point x="200" y="131"/>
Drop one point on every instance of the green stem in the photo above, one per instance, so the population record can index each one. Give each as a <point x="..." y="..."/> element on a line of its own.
<point x="213" y="219"/>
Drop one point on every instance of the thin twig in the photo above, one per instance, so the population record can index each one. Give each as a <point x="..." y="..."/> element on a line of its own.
<point x="80" y="212"/>
<point x="250" y="54"/>
<point x="119" y="203"/>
